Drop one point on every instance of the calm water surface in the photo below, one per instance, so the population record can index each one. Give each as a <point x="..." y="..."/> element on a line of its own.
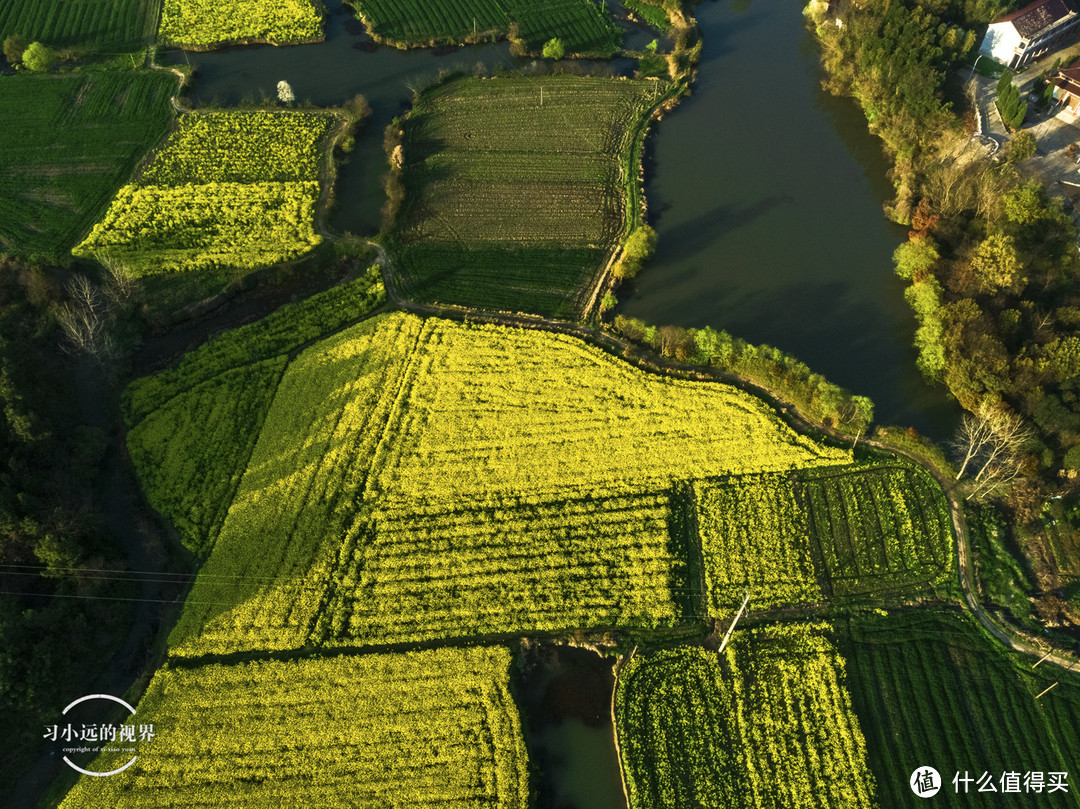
<point x="767" y="195"/>
<point x="566" y="699"/>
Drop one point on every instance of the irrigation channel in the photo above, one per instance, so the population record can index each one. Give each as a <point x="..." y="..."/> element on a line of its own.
<point x="766" y="194"/>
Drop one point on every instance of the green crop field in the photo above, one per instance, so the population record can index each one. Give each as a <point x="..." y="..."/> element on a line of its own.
<point x="583" y="25"/>
<point x="651" y="12"/>
<point x="769" y="725"/>
<point x="205" y="24"/>
<point x="64" y="23"/>
<point x="810" y="535"/>
<point x="425" y="729"/>
<point x="66" y="144"/>
<point x="192" y="428"/>
<point x="932" y="690"/>
<point x="414" y="479"/>
<point x="517" y="190"/>
<point x="228" y="190"/>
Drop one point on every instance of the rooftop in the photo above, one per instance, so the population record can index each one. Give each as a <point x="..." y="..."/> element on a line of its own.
<point x="1033" y="19"/>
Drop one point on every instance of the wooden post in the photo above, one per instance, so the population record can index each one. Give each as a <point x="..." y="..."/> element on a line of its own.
<point x="1041" y="659"/>
<point x="1045" y="690"/>
<point x="730" y="628"/>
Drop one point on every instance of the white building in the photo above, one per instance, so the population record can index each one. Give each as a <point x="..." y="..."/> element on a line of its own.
<point x="1029" y="33"/>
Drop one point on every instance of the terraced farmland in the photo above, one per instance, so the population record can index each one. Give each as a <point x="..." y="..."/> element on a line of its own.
<point x="204" y="24"/>
<point x="228" y="190"/>
<point x="517" y="190"/>
<point x="808" y="536"/>
<point x="583" y="25"/>
<point x="424" y="729"/>
<point x="62" y="23"/>
<point x="66" y="144"/>
<point x="767" y="725"/>
<point x="402" y="462"/>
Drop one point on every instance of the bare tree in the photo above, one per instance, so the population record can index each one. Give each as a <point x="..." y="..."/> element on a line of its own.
<point x="84" y="319"/>
<point x="991" y="441"/>
<point x="120" y="281"/>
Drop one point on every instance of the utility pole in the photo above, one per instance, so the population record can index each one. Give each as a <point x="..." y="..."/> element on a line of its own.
<point x="730" y="628"/>
<point x="1044" y="691"/>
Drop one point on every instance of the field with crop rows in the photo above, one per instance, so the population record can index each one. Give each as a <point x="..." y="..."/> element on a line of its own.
<point x="424" y="729"/>
<point x="931" y="689"/>
<point x="66" y="144"/>
<point x="490" y="410"/>
<point x="192" y="427"/>
<point x="228" y="190"/>
<point x="406" y="469"/>
<point x="877" y="529"/>
<point x="478" y="569"/>
<point x="647" y="11"/>
<point x="769" y="725"/>
<point x="205" y="24"/>
<point x="544" y="280"/>
<point x="63" y="23"/>
<point x="803" y="536"/>
<point x="583" y="25"/>
<point x="241" y="147"/>
<point x="265" y="582"/>
<point x="517" y="189"/>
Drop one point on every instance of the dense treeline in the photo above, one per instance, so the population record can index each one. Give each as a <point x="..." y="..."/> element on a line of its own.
<point x="815" y="397"/>
<point x="50" y="538"/>
<point x="991" y="257"/>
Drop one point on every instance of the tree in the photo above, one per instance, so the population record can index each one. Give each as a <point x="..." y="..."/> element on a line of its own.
<point x="991" y="440"/>
<point x="14" y="46"/>
<point x="1021" y="147"/>
<point x="637" y="249"/>
<point x="1005" y="82"/>
<point x="84" y="319"/>
<point x="925" y="298"/>
<point x="1009" y="104"/>
<point x="996" y="262"/>
<point x="857" y="410"/>
<point x="1025" y="204"/>
<point x="916" y="257"/>
<point x="358" y="108"/>
<point x="554" y="49"/>
<point x="38" y="58"/>
<point x="285" y="92"/>
<point x="518" y="46"/>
